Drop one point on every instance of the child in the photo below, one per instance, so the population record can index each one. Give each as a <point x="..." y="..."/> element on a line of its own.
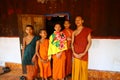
<point x="57" y="45"/>
<point x="29" y="43"/>
<point x="42" y="53"/>
<point x="68" y="32"/>
<point x="81" y="42"/>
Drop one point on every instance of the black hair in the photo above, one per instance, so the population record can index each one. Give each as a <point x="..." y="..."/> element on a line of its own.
<point x="42" y="30"/>
<point x="79" y="16"/>
<point x="68" y="21"/>
<point x="57" y="23"/>
<point x="30" y="26"/>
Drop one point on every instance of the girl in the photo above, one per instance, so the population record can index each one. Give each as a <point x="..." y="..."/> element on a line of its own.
<point x="57" y="45"/>
<point x="29" y="43"/>
<point x="42" y="53"/>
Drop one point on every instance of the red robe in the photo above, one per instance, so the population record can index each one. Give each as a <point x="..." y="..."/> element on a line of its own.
<point x="80" y="42"/>
<point x="68" y="52"/>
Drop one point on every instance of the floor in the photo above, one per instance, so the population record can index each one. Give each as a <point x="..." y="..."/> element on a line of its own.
<point x="93" y="75"/>
<point x="14" y="75"/>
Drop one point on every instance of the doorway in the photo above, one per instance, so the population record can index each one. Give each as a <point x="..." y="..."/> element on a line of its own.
<point x="52" y="19"/>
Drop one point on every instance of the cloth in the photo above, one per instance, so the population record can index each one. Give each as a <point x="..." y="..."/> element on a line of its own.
<point x="59" y="66"/>
<point x="79" y="69"/>
<point x="57" y="43"/>
<point x="29" y="52"/>
<point x="32" y="71"/>
<point x="68" y="52"/>
<point x="80" y="42"/>
<point x="45" y="68"/>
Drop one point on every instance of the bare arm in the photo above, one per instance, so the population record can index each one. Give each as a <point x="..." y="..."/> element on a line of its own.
<point x="23" y="46"/>
<point x="72" y="42"/>
<point x="36" y="52"/>
<point x="37" y="49"/>
<point x="88" y="45"/>
<point x="89" y="39"/>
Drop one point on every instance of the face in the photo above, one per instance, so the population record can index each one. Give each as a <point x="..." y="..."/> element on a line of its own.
<point x="78" y="21"/>
<point x="29" y="30"/>
<point x="57" y="27"/>
<point x="66" y="24"/>
<point x="43" y="34"/>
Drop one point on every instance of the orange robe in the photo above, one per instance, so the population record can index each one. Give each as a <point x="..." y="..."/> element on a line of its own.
<point x="59" y="66"/>
<point x="58" y="43"/>
<point x="80" y="66"/>
<point x="32" y="71"/>
<point x="68" y="52"/>
<point x="45" y="68"/>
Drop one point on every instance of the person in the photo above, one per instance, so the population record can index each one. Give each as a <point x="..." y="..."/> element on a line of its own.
<point x="68" y="32"/>
<point x="28" y="51"/>
<point x="57" y="47"/>
<point x="42" y="53"/>
<point x="81" y="42"/>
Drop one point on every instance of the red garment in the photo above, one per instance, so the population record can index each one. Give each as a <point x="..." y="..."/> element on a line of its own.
<point x="68" y="52"/>
<point x="80" y="42"/>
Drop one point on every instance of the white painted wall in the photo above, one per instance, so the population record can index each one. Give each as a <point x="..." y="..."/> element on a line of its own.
<point x="9" y="50"/>
<point x="104" y="54"/>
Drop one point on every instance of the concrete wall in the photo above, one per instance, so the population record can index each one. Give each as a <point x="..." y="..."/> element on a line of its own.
<point x="9" y="50"/>
<point x="104" y="54"/>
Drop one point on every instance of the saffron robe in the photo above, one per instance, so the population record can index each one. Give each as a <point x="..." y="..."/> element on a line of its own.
<point x="80" y="42"/>
<point x="45" y="68"/>
<point x="58" y="43"/>
<point x="80" y="66"/>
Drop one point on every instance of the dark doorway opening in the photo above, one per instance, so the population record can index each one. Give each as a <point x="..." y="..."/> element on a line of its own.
<point x="52" y="19"/>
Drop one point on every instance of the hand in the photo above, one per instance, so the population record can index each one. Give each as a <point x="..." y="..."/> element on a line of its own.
<point x="58" y="55"/>
<point x="69" y="39"/>
<point x="76" y="55"/>
<point x="34" y="59"/>
<point x="81" y="55"/>
<point x="44" y="61"/>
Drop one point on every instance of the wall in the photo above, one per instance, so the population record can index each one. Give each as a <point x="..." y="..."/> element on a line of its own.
<point x="100" y="15"/>
<point x="9" y="50"/>
<point x="104" y="54"/>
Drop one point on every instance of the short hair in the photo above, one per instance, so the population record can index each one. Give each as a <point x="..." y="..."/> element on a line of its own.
<point x="79" y="17"/>
<point x="68" y="21"/>
<point x="57" y="23"/>
<point x="30" y="26"/>
<point x="42" y="30"/>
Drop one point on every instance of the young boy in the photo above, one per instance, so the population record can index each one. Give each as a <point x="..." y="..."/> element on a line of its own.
<point x="42" y="53"/>
<point x="57" y="45"/>
<point x="28" y="51"/>
<point x="68" y="32"/>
